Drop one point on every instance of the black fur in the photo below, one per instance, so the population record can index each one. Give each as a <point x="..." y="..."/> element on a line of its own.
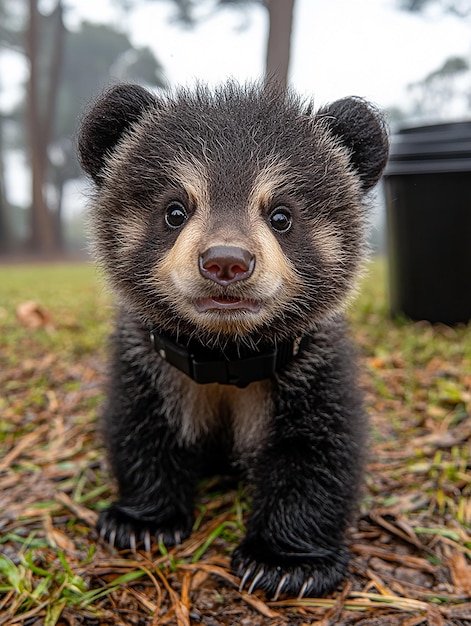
<point x="305" y="461"/>
<point x="355" y="123"/>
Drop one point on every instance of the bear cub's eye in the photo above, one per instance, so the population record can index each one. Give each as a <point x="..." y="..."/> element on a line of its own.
<point x="280" y="219"/>
<point x="175" y="214"/>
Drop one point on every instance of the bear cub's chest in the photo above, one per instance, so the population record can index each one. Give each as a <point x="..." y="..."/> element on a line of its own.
<point x="222" y="411"/>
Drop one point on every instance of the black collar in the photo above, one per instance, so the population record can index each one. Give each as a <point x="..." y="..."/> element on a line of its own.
<point x="238" y="367"/>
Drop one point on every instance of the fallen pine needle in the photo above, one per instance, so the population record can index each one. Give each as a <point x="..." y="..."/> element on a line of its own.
<point x="88" y="516"/>
<point x="212" y="569"/>
<point x="358" y="601"/>
<point x="25" y="442"/>
<point x="181" y="611"/>
<point x="260" y="606"/>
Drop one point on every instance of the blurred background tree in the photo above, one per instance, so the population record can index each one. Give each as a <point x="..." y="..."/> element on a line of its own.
<point x="94" y="54"/>
<point x="44" y="50"/>
<point x="9" y="39"/>
<point x="460" y="8"/>
<point x="66" y="68"/>
<point x="440" y="89"/>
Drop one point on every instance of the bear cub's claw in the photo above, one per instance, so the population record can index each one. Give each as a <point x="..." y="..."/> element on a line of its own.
<point x="125" y="531"/>
<point x="293" y="577"/>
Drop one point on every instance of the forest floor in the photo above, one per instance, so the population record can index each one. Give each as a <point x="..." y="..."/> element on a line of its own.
<point x="411" y="542"/>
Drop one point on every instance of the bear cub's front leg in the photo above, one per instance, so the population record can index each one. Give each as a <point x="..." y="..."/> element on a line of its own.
<point x="156" y="473"/>
<point x="307" y="477"/>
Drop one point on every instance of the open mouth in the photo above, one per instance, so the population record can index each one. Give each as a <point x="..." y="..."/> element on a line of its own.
<point x="226" y="304"/>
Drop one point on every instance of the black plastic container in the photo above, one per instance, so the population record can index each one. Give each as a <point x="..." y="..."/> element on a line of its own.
<point x="427" y="186"/>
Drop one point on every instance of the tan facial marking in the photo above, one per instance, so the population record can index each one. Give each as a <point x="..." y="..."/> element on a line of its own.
<point x="270" y="180"/>
<point x="192" y="175"/>
<point x="130" y="233"/>
<point x="268" y="183"/>
<point x="182" y="259"/>
<point x="328" y="242"/>
<point x="180" y="264"/>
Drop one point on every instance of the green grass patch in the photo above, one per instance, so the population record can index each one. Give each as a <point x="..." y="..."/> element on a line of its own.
<point x="71" y="295"/>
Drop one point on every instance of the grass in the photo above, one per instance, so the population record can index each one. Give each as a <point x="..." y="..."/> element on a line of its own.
<point x="72" y="294"/>
<point x="411" y="544"/>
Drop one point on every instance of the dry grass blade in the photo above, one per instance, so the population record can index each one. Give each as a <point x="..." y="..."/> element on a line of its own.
<point x="461" y="573"/>
<point x="460" y="611"/>
<point x="149" y="605"/>
<point x="90" y="517"/>
<point x="261" y="606"/>
<point x="412" y="561"/>
<point x="379" y="584"/>
<point x="407" y="535"/>
<point x="333" y="614"/>
<point x="181" y="611"/>
<point x="25" y="443"/>
<point x="359" y="600"/>
<point x="220" y="572"/>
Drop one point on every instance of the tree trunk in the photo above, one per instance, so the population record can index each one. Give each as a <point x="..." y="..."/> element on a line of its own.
<point x="5" y="230"/>
<point x="55" y="68"/>
<point x="42" y="233"/>
<point x="40" y="118"/>
<point x="280" y="14"/>
<point x="5" y="225"/>
<point x="57" y="56"/>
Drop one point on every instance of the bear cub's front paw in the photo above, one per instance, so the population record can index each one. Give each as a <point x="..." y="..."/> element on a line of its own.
<point x="294" y="576"/>
<point x="123" y="529"/>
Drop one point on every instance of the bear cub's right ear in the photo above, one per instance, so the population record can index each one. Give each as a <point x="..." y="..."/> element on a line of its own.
<point x="104" y="124"/>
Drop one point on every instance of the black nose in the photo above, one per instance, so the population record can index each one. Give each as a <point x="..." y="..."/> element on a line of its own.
<point x="226" y="264"/>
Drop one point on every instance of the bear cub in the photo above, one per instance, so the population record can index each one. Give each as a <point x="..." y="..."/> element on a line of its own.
<point x="231" y="225"/>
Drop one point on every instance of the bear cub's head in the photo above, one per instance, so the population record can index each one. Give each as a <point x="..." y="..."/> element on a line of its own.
<point x="232" y="214"/>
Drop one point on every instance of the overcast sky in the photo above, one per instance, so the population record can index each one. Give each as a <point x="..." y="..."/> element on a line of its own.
<point x="340" y="47"/>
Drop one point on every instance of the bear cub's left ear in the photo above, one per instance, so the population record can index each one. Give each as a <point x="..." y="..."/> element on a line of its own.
<point x="362" y="129"/>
